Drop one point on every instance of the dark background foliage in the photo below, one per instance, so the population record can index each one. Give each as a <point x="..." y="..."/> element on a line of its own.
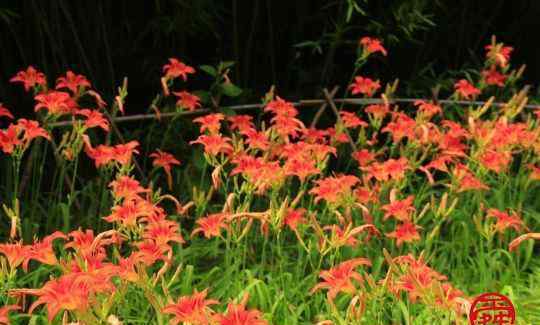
<point x="297" y="45"/>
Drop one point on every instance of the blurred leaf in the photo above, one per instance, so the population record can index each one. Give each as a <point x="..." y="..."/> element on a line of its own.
<point x="231" y="90"/>
<point x="209" y="69"/>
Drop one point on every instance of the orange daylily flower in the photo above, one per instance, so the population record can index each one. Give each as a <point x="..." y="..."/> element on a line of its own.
<point x="214" y="144"/>
<point x="399" y="209"/>
<point x="294" y="217"/>
<point x="30" y="78"/>
<point x="242" y="123"/>
<point x="149" y="252"/>
<point x="210" y="123"/>
<point x="31" y="130"/>
<point x="212" y="225"/>
<point x="175" y="68"/>
<point x="499" y="54"/>
<point x="406" y="232"/>
<point x="4" y="313"/>
<point x="340" y="278"/>
<point x="333" y="189"/>
<point x="94" y="119"/>
<point x="496" y="161"/>
<point x="506" y="220"/>
<point x="55" y="102"/>
<point x="73" y="82"/>
<point x="465" y="89"/>
<point x="126" y="187"/>
<point x="372" y="45"/>
<point x="494" y="77"/>
<point x="165" y="160"/>
<point x="428" y="109"/>
<point x="364" y="85"/>
<point x="162" y="232"/>
<point x="351" y="120"/>
<point x="9" y="139"/>
<point x="64" y="293"/>
<point x="15" y="253"/>
<point x="187" y="101"/>
<point x="256" y="139"/>
<point x="42" y="251"/>
<point x="194" y="309"/>
<point x="129" y="212"/>
<point x="238" y="315"/>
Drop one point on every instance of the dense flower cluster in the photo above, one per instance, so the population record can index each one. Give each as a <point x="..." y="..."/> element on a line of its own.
<point x="281" y="177"/>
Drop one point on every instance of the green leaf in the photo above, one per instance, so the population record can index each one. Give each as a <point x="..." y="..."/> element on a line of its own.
<point x="225" y="65"/>
<point x="203" y="95"/>
<point x="230" y="90"/>
<point x="209" y="70"/>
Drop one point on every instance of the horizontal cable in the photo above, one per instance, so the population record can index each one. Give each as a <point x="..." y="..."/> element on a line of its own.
<point x="301" y="103"/>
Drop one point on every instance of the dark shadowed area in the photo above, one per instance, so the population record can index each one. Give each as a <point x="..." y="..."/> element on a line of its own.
<point x="297" y="45"/>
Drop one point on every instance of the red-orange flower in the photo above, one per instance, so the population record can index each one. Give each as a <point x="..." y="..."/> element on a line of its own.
<point x="364" y="86"/>
<point x="505" y="220"/>
<point x="372" y="45"/>
<point x="4" y="313"/>
<point x="4" y="112"/>
<point x="176" y="68"/>
<point x="392" y="169"/>
<point x="129" y="212"/>
<point x="211" y="225"/>
<point x="214" y="144"/>
<point x="55" y="102"/>
<point x="15" y="253"/>
<point x="165" y="160"/>
<point x="64" y="293"/>
<point x="126" y="187"/>
<point x="210" y="122"/>
<point x="281" y="107"/>
<point x="150" y="252"/>
<point x="427" y="109"/>
<point x="256" y="139"/>
<point x="494" y="77"/>
<point x="466" y="180"/>
<point x="242" y="123"/>
<point x="406" y="232"/>
<point x="123" y="152"/>
<point x="465" y="89"/>
<point x="194" y="309"/>
<point x="72" y="82"/>
<point x="294" y="217"/>
<point x="238" y="315"/>
<point x="498" y="54"/>
<point x="42" y="251"/>
<point x="9" y="139"/>
<point x="340" y="278"/>
<point x="496" y="161"/>
<point x="30" y="78"/>
<point x="162" y="232"/>
<point x="351" y="120"/>
<point x="378" y="111"/>
<point x="187" y="101"/>
<point x="31" y="130"/>
<point x="535" y="172"/>
<point x="363" y="157"/>
<point x="399" y="209"/>
<point x="334" y="189"/>
<point x="94" y="119"/>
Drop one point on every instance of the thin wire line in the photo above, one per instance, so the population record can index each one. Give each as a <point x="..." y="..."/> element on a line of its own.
<point x="301" y="103"/>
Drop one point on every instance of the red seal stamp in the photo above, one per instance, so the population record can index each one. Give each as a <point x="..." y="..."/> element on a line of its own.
<point x="492" y="308"/>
